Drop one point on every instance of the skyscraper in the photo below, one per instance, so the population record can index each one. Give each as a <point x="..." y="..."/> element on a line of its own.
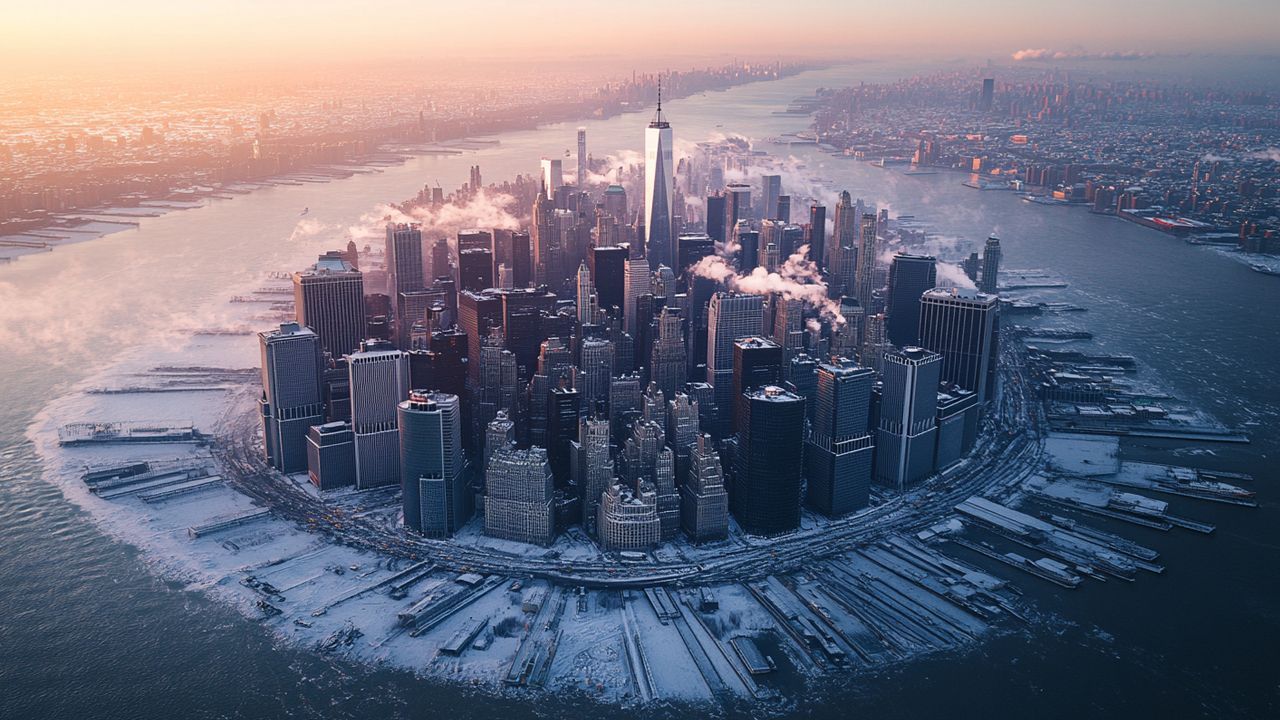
<point x="636" y="283"/>
<point x="328" y="297"/>
<point x="990" y="266"/>
<point x="667" y="363"/>
<point x="704" y="503"/>
<point x="716" y="217"/>
<point x="737" y="205"/>
<point x="519" y="493"/>
<point x="582" y="158"/>
<point x="379" y="376"/>
<point x="771" y="190"/>
<point x="552" y="175"/>
<point x="659" y="173"/>
<point x="475" y="269"/>
<point x="987" y="99"/>
<point x="593" y="467"/>
<point x="596" y="361"/>
<point x="291" y="394"/>
<point x="765" y="495"/>
<point x="757" y="362"/>
<point x="908" y="422"/>
<point x="817" y="235"/>
<point x="404" y="262"/>
<point x="838" y="453"/>
<point x="909" y="277"/>
<point x="865" y="279"/>
<point x="961" y="326"/>
<point x="546" y="239"/>
<point x="628" y="518"/>
<point x="843" y="253"/>
<point x="730" y="317"/>
<point x="585" y="295"/>
<point x="434" y="493"/>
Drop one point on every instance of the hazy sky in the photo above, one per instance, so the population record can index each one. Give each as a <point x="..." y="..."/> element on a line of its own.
<point x="98" y="33"/>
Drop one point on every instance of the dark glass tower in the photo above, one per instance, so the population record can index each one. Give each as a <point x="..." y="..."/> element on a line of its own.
<point x="909" y="277"/>
<point x="765" y="494"/>
<point x="838" y="453"/>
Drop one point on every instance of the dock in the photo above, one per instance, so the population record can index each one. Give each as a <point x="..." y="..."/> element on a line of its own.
<point x="196" y="531"/>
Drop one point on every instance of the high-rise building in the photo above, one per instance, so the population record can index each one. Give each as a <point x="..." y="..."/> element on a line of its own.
<point x="615" y="203"/>
<point x="585" y="296"/>
<point x="522" y="259"/>
<point x="582" y="158"/>
<point x="737" y="205"/>
<point x="291" y="393"/>
<point x="843" y="252"/>
<point x="475" y="239"/>
<point x="987" y="99"/>
<point x="961" y="325"/>
<point x="817" y="235"/>
<point x="716" y="217"/>
<point x="500" y="432"/>
<point x="771" y="190"/>
<point x="909" y="277"/>
<point x="519" y="493"/>
<point x="607" y="265"/>
<point x="563" y="412"/>
<point x="865" y="280"/>
<point x="636" y="283"/>
<point x="784" y="208"/>
<point x="379" y="377"/>
<point x="404" y="262"/>
<point x="596" y="361"/>
<point x="593" y="466"/>
<point x="757" y="362"/>
<point x="957" y="425"/>
<point x="667" y="364"/>
<point x="908" y="417"/>
<point x="546" y="240"/>
<point x="434" y="493"/>
<point x="552" y="175"/>
<point x="766" y="492"/>
<point x="839" y="451"/>
<point x="659" y="174"/>
<point x="991" y="266"/>
<point x="328" y="297"/>
<point x="730" y="317"/>
<point x="704" y="504"/>
<point x="748" y="246"/>
<point x="628" y="518"/>
<point x="475" y="269"/>
<point x="331" y="456"/>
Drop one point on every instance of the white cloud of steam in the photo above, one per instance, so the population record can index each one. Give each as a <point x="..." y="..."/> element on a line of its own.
<point x="951" y="275"/>
<point x="1271" y="153"/>
<point x="797" y="279"/>
<point x="1044" y="54"/>
<point x="486" y="211"/>
<point x="1211" y="157"/>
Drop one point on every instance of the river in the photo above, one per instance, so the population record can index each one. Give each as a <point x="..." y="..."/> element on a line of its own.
<point x="86" y="630"/>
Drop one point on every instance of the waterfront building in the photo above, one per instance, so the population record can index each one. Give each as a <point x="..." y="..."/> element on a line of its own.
<point x="404" y="262"/>
<point x="990" y="282"/>
<point x="435" y="497"/>
<point x="291" y="393"/>
<point x="905" y="440"/>
<point x="379" y="378"/>
<point x="519" y="494"/>
<point x="730" y="317"/>
<point x="961" y="325"/>
<point x="909" y="277"/>
<point x="704" y="505"/>
<point x="838" y="454"/>
<point x="757" y="362"/>
<point x="765" y="495"/>
<point x="628" y="518"/>
<point x="331" y="456"/>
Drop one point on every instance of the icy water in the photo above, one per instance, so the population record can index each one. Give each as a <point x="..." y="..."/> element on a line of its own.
<point x="87" y="631"/>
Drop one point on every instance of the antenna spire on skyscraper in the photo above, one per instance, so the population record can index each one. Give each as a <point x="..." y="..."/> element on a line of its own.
<point x="658" y="120"/>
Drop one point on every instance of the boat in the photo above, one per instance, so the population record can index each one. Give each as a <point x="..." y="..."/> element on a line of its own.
<point x="1260" y="268"/>
<point x="305" y="210"/>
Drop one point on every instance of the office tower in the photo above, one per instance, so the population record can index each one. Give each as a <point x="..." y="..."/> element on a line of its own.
<point x="991" y="266"/>
<point x="659" y="172"/>
<point x="839" y="451"/>
<point x="987" y="99"/>
<point x="683" y="428"/>
<point x="865" y="281"/>
<point x="291" y="393"/>
<point x="379" y="382"/>
<point x="704" y="504"/>
<point x="496" y="384"/>
<point x="404" y="264"/>
<point x="749" y="250"/>
<point x="500" y="432"/>
<point x="737" y="205"/>
<point x="627" y="519"/>
<point x="961" y="326"/>
<point x="875" y="342"/>
<point x="328" y="297"/>
<point x="624" y="401"/>
<point x="596" y="361"/>
<point x="475" y="269"/>
<point x="770" y="191"/>
<point x="607" y="265"/>
<point x="440" y="259"/>
<point x="331" y="456"/>
<point x="802" y="379"/>
<point x="971" y="265"/>
<point x="434" y="491"/>
<point x="593" y="466"/>
<point x="690" y="248"/>
<point x="816" y="235"/>
<point x="667" y="364"/>
<point x="843" y="252"/>
<point x="552" y="175"/>
<point x="908" y="417"/>
<point x="730" y="317"/>
<point x="546" y="240"/>
<point x="585" y="304"/>
<point x="636" y="283"/>
<point x="582" y="158"/>
<point x="519" y="493"/>
<point x="716" y="217"/>
<point x="757" y="362"/>
<point x="476" y="182"/>
<point x="475" y="239"/>
<point x="563" y="412"/>
<point x="615" y="203"/>
<point x="784" y="208"/>
<point x="765" y="494"/>
<point x="442" y="366"/>
<point x="957" y="425"/>
<point x="478" y="314"/>
<point x="909" y="277"/>
<point x="647" y="462"/>
<point x="521" y="259"/>
<point x="788" y="329"/>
